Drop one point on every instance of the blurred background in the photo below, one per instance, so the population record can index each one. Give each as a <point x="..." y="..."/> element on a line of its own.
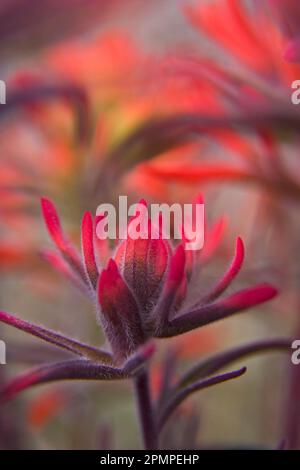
<point x="163" y="100"/>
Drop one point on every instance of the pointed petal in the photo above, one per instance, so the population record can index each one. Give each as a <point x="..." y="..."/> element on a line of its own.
<point x="53" y="224"/>
<point x="222" y="309"/>
<point x="87" y="243"/>
<point x="119" y="312"/>
<point x="179" y="396"/>
<point x="230" y="274"/>
<point x="173" y="282"/>
<point x="55" y="338"/>
<point x="67" y="370"/>
<point x="64" y="245"/>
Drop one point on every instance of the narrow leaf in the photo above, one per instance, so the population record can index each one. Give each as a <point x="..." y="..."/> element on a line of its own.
<point x="230" y="274"/>
<point x="213" y="364"/>
<point x="57" y="339"/>
<point x="219" y="310"/>
<point x="67" y="370"/>
<point x="178" y="397"/>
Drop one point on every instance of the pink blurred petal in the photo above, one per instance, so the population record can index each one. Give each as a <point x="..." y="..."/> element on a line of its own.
<point x="249" y="297"/>
<point x="60" y="239"/>
<point x="213" y="238"/>
<point x="60" y="265"/>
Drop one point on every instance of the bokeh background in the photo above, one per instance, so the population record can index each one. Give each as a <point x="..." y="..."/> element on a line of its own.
<point x="84" y="81"/>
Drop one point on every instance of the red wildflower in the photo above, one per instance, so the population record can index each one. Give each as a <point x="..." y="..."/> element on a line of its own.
<point x="138" y="292"/>
<point x="142" y="293"/>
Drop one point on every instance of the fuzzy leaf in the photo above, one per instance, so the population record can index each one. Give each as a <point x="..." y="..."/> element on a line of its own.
<point x="219" y="310"/>
<point x="67" y="370"/>
<point x="178" y="397"/>
<point x="213" y="364"/>
<point x="57" y="339"/>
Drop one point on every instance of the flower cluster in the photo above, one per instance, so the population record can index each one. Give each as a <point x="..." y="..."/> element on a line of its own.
<point x="141" y="293"/>
<point x="226" y="116"/>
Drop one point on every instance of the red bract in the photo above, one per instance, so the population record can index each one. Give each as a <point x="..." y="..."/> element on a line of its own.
<point x="143" y="292"/>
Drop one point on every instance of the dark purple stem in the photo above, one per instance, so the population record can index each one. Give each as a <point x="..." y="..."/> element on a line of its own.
<point x="145" y="410"/>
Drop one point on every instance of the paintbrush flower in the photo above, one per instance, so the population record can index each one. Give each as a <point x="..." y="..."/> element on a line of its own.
<point x="141" y="293"/>
<point x="142" y="289"/>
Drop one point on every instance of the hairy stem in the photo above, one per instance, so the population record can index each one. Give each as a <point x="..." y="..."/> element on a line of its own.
<point x="145" y="410"/>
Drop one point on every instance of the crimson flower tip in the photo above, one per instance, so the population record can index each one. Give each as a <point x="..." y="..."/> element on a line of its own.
<point x="112" y="267"/>
<point x="252" y="296"/>
<point x="177" y="265"/>
<point x="240" y="250"/>
<point x="143" y="202"/>
<point x="52" y="222"/>
<point x="266" y="292"/>
<point x="199" y="199"/>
